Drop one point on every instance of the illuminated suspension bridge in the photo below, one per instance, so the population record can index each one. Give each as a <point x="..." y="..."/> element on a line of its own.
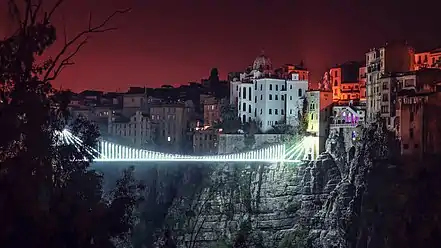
<point x="111" y="152"/>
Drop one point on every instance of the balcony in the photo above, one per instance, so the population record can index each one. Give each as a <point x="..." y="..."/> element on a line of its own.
<point x="343" y="125"/>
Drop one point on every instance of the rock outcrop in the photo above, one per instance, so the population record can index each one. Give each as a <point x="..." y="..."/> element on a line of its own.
<point x="317" y="204"/>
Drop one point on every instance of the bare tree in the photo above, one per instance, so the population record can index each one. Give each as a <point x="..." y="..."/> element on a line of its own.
<point x="34" y="19"/>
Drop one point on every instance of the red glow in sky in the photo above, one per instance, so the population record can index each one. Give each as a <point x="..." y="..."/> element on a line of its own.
<point x="174" y="42"/>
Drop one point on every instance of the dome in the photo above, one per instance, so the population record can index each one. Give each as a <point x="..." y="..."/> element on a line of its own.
<point x="262" y="63"/>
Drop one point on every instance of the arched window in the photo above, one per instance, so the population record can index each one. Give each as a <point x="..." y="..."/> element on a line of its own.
<point x="244" y="107"/>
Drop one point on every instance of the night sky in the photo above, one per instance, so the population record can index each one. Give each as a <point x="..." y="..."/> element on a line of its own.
<point x="174" y="42"/>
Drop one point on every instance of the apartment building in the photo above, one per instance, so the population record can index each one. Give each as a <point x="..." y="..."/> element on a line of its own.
<point x="392" y="58"/>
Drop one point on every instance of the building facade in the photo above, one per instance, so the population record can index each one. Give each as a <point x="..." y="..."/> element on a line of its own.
<point x="319" y="112"/>
<point x="136" y="129"/>
<point x="429" y="59"/>
<point x="267" y="99"/>
<point x="205" y="141"/>
<point x="392" y="58"/>
<point x="171" y="126"/>
<point x="419" y="121"/>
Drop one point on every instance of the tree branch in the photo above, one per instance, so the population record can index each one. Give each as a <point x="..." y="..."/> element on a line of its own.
<point x="55" y="68"/>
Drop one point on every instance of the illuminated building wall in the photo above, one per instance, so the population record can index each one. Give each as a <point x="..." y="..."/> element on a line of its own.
<point x="362" y="84"/>
<point x="346" y="83"/>
<point x="267" y="97"/>
<point x="430" y="59"/>
<point x="319" y="113"/>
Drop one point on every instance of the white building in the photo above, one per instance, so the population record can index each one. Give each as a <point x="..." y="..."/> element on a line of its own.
<point x="347" y="120"/>
<point x="136" y="129"/>
<point x="268" y="100"/>
<point x="319" y="112"/>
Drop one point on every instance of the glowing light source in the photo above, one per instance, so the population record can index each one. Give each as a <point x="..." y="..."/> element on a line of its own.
<point x="110" y="152"/>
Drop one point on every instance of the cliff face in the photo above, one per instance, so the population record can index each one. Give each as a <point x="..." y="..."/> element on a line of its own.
<point x="348" y="216"/>
<point x="267" y="205"/>
<point x="331" y="202"/>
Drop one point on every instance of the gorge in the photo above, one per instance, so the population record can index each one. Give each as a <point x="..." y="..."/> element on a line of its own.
<point x="365" y="196"/>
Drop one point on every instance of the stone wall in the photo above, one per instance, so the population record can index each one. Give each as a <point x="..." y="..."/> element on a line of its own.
<point x="230" y="143"/>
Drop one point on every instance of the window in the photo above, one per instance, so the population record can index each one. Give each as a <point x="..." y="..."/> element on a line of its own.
<point x="290" y="111"/>
<point x="255" y="86"/>
<point x="290" y="87"/>
<point x="244" y="93"/>
<point x="270" y="112"/>
<point x="300" y="92"/>
<point x="261" y="87"/>
<point x="335" y="83"/>
<point x="255" y="99"/>
<point x="276" y="111"/>
<point x="283" y="97"/>
<point x="261" y="111"/>
<point x="277" y="87"/>
<point x="290" y="98"/>
<point x="261" y="97"/>
<point x="249" y="93"/>
<point x="244" y="107"/>
<point x="249" y="108"/>
<point x="281" y="112"/>
<point x="270" y="97"/>
<point x="271" y="87"/>
<point x="276" y="97"/>
<point x="411" y="116"/>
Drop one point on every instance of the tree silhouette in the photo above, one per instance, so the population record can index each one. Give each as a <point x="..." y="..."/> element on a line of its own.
<point x="48" y="195"/>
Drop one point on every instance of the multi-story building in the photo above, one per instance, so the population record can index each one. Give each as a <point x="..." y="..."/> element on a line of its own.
<point x="419" y="121"/>
<point x="429" y="59"/>
<point x="362" y="84"/>
<point x="391" y="84"/>
<point x="286" y="70"/>
<point x="392" y="58"/>
<point x="345" y="82"/>
<point x="348" y="120"/>
<point x="171" y="125"/>
<point x="136" y="130"/>
<point x="319" y="112"/>
<point x="265" y="98"/>
<point x="133" y="101"/>
<point x="212" y="111"/>
<point x="205" y="141"/>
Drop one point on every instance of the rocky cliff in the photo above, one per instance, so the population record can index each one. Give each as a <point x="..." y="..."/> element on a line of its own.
<point x="334" y="201"/>
<point x="266" y="205"/>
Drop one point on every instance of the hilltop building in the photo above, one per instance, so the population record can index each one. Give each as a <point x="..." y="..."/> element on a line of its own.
<point x="268" y="98"/>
